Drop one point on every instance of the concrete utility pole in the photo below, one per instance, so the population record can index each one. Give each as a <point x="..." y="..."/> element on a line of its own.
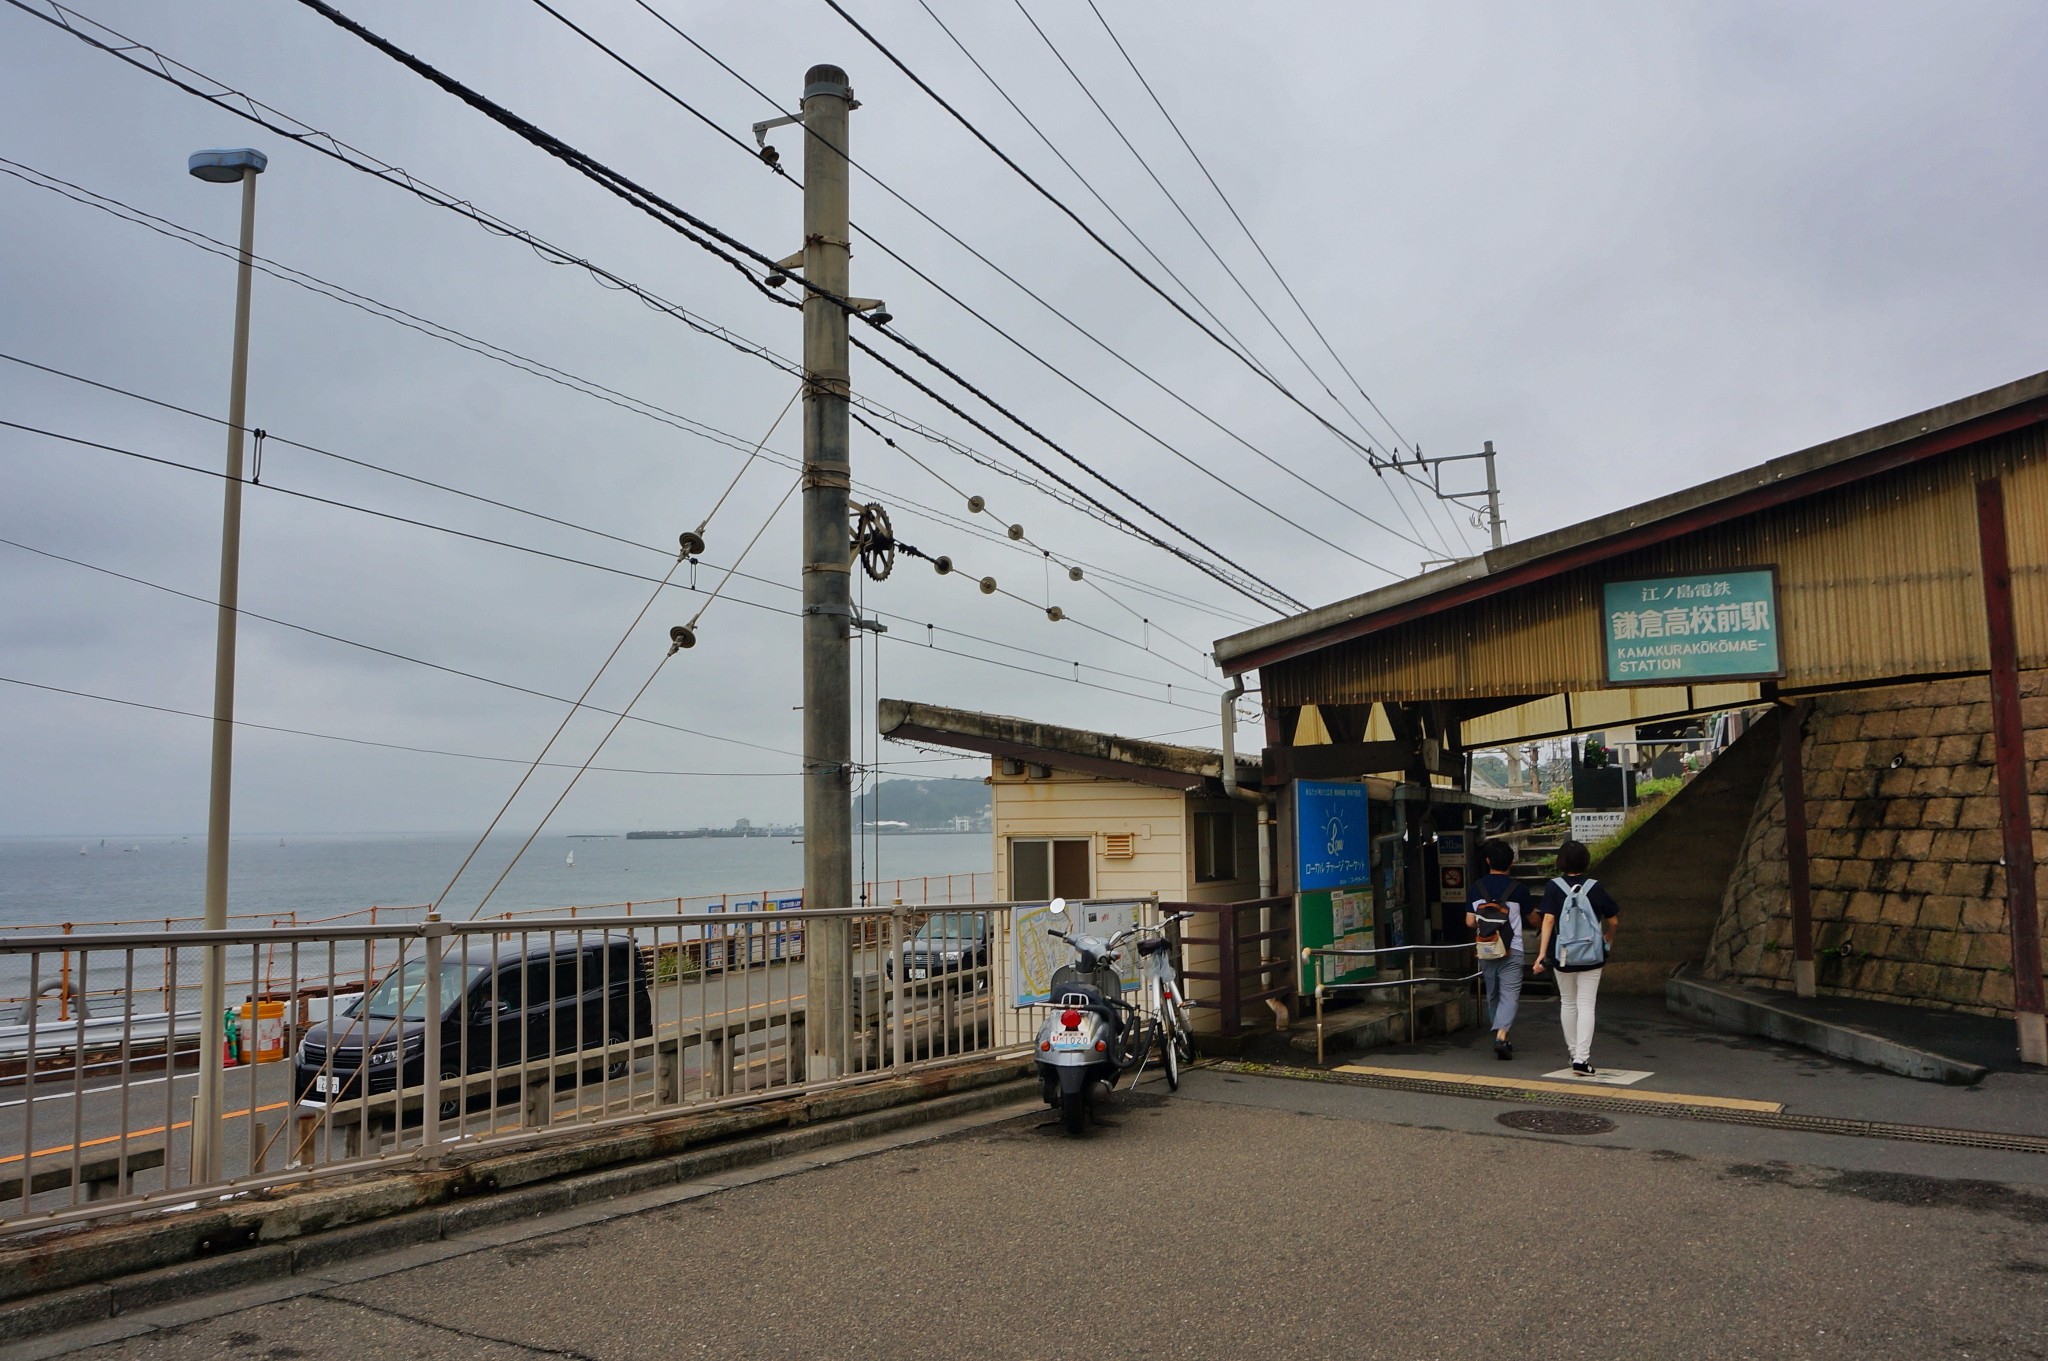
<point x="1493" y="520"/>
<point x="240" y="166"/>
<point x="827" y="574"/>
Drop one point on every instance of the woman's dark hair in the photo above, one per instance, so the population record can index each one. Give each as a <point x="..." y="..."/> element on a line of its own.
<point x="1573" y="858"/>
<point x="1499" y="856"/>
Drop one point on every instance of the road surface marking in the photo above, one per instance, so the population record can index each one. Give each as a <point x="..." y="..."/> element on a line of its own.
<point x="1509" y="1084"/>
<point x="1606" y="1077"/>
<point x="137" y="1133"/>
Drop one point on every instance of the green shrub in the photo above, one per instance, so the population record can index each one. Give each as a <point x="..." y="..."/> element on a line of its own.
<point x="1561" y="802"/>
<point x="1646" y="790"/>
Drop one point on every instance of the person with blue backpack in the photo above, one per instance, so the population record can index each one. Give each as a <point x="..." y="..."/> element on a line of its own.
<point x="1579" y="918"/>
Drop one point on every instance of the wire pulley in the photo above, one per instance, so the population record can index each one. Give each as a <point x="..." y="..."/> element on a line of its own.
<point x="874" y="542"/>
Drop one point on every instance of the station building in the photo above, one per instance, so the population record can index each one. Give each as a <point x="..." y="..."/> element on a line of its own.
<point x="1885" y="594"/>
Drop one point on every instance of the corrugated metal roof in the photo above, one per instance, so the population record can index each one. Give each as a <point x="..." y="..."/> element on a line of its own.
<point x="1930" y="434"/>
<point x="1879" y="578"/>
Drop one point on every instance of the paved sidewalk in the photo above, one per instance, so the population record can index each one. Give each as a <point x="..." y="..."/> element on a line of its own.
<point x="1637" y="1033"/>
<point x="1245" y="1217"/>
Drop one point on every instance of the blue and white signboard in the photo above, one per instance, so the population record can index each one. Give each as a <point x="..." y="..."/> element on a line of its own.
<point x="1332" y="838"/>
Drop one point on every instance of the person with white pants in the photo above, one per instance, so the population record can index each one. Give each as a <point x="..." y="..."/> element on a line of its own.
<point x="1578" y="983"/>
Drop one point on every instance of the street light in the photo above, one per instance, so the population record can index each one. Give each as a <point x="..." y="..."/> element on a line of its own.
<point x="236" y="166"/>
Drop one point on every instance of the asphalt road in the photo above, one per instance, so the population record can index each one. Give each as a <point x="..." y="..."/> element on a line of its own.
<point x="1245" y="1217"/>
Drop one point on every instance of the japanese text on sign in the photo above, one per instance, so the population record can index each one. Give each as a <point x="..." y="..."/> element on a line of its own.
<point x="1723" y="625"/>
<point x="1333" y="844"/>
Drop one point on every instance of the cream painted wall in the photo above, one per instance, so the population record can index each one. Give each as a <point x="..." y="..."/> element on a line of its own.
<point x="1072" y="805"/>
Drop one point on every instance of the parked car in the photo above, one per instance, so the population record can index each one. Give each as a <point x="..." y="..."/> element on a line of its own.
<point x="554" y="998"/>
<point x="949" y="943"/>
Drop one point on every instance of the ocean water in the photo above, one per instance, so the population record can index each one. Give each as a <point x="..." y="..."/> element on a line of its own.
<point x="45" y="880"/>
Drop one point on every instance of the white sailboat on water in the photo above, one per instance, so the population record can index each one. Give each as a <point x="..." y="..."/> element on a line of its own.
<point x="571" y="860"/>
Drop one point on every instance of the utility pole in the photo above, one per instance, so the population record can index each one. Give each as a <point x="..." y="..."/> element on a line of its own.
<point x="1489" y="519"/>
<point x="827" y="575"/>
<point x="240" y="166"/>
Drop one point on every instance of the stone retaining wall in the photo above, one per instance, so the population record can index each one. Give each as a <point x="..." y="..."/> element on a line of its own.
<point x="1905" y="848"/>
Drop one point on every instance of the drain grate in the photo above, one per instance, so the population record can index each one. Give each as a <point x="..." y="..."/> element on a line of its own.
<point x="1555" y="1122"/>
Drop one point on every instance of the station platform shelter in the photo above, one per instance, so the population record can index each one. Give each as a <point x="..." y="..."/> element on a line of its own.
<point x="1885" y="593"/>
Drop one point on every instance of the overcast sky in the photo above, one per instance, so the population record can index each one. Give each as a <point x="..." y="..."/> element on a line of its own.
<point x="1636" y="246"/>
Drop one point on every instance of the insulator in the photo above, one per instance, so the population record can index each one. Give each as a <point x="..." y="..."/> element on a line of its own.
<point x="692" y="543"/>
<point x="988" y="585"/>
<point x="682" y="636"/>
<point x="942" y="564"/>
<point x="975" y="505"/>
<point x="1055" y="613"/>
<point x="1016" y="531"/>
<point x="1073" y="574"/>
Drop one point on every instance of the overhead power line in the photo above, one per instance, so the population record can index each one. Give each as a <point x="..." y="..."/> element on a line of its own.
<point x="1401" y="442"/>
<point x="1114" y="409"/>
<point x="387" y="746"/>
<point x="719" y="243"/>
<point x="1078" y="221"/>
<point x="155" y="63"/>
<point x="633" y="575"/>
<point x="386" y="311"/>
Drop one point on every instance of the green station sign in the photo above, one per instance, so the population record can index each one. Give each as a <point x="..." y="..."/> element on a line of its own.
<point x="1714" y="626"/>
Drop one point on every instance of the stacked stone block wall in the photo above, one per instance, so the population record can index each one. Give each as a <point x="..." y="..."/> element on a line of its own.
<point x="1905" y="849"/>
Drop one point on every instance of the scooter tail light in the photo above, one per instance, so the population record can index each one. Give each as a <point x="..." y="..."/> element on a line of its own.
<point x="1071" y="1019"/>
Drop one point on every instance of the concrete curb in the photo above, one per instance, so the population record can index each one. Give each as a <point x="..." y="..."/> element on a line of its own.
<point x="1741" y="1011"/>
<point x="95" y="1274"/>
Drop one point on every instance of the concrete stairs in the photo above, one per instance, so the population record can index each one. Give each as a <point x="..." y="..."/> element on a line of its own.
<point x="1669" y="876"/>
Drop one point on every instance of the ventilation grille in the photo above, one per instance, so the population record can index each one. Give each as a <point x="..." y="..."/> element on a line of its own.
<point x="1118" y="846"/>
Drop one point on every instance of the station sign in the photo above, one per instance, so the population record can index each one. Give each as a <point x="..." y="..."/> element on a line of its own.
<point x="1711" y="626"/>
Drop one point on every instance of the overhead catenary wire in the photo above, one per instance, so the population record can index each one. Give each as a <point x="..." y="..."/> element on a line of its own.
<point x="155" y="63"/>
<point x="247" y="613"/>
<point x="1074" y="217"/>
<point x="600" y="567"/>
<point x="387" y="746"/>
<point x="736" y="253"/>
<point x="1114" y="409"/>
<point x="584" y="386"/>
<point x="1401" y="442"/>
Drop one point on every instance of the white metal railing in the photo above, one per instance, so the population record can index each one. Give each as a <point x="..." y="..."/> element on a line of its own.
<point x="365" y="1045"/>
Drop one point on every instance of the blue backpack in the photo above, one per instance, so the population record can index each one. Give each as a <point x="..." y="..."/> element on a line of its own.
<point x="1578" y="942"/>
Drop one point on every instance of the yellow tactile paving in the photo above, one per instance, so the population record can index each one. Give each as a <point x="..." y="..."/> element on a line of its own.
<point x="1510" y="1084"/>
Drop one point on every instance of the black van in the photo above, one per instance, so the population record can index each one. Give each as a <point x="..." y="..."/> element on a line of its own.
<point x="519" y="1005"/>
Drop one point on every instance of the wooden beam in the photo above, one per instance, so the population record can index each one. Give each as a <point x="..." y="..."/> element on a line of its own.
<point x="2009" y="741"/>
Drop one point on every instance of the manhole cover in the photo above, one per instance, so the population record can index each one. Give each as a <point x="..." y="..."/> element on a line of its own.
<point x="1556" y="1122"/>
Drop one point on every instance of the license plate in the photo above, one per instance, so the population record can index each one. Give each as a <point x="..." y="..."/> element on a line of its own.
<point x="1070" y="1039"/>
<point x="918" y="973"/>
<point x="326" y="1083"/>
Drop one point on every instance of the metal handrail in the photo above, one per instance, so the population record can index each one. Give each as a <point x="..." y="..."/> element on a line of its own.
<point x="1309" y="954"/>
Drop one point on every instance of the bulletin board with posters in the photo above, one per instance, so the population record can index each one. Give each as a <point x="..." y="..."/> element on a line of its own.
<point x="1333" y="905"/>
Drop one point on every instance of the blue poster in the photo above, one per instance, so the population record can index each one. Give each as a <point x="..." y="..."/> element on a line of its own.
<point x="1332" y="842"/>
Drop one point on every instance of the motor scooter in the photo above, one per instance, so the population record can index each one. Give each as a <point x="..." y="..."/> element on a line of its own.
<point x="1081" y="1046"/>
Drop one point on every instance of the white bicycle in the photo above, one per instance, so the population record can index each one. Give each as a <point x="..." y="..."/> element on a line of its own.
<point x="1165" y="1000"/>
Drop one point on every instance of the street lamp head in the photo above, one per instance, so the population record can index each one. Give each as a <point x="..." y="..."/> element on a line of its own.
<point x="225" y="166"/>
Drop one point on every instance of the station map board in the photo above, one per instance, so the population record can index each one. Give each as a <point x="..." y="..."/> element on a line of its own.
<point x="1034" y="954"/>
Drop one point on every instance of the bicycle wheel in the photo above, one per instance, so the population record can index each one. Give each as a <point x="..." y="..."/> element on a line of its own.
<point x="1181" y="1034"/>
<point x="1169" y="1053"/>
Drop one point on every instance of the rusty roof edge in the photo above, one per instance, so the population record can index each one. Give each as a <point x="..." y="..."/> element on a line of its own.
<point x="893" y="714"/>
<point x="1780" y="469"/>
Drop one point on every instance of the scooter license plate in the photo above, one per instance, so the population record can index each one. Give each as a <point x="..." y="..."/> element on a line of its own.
<point x="1069" y="1040"/>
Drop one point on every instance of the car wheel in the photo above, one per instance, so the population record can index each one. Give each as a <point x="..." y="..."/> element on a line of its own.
<point x="618" y="1068"/>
